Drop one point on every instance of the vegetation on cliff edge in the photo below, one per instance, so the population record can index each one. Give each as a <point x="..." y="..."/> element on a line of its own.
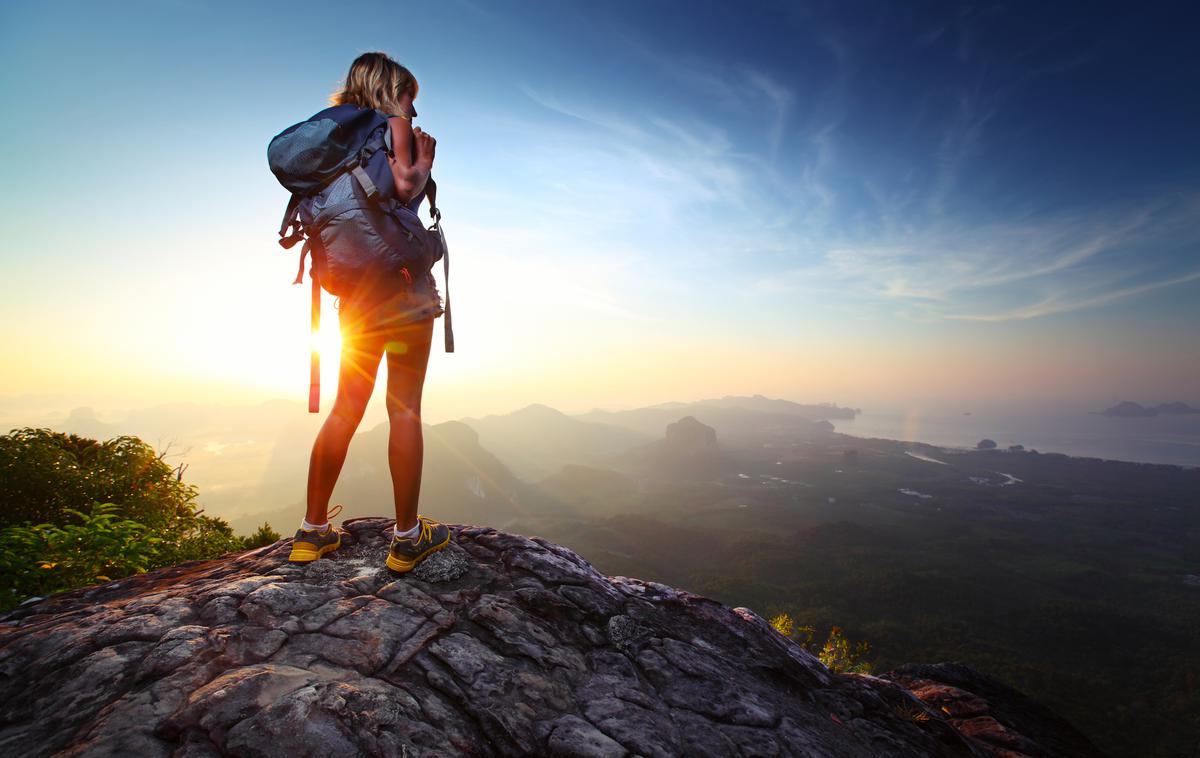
<point x="77" y="511"/>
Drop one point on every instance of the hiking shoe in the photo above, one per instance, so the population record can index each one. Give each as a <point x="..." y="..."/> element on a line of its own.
<point x="406" y="552"/>
<point x="310" y="545"/>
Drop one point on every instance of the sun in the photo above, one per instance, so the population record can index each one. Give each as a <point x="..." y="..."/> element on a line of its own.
<point x="327" y="340"/>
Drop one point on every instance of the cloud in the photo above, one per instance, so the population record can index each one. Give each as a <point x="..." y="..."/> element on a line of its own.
<point x="780" y="98"/>
<point x="737" y="86"/>
<point x="714" y="191"/>
<point x="960" y="143"/>
<point x="605" y="121"/>
<point x="989" y="272"/>
<point x="1066" y="302"/>
<point x="795" y="208"/>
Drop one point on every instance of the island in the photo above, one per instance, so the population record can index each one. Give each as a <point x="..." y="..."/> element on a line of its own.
<point x="1128" y="409"/>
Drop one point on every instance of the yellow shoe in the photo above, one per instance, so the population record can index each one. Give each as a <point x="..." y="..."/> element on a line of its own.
<point x="405" y="552"/>
<point x="310" y="545"/>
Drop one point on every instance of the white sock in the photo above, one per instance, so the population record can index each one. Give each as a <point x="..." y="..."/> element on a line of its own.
<point x="313" y="527"/>
<point x="411" y="533"/>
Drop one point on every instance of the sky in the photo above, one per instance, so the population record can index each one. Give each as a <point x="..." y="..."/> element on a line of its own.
<point x="882" y="205"/>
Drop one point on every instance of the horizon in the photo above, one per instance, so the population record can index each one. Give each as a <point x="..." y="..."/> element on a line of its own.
<point x="62" y="406"/>
<point x="207" y="429"/>
<point x="910" y="209"/>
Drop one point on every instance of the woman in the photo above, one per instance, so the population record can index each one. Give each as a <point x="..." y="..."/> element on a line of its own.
<point x="397" y="324"/>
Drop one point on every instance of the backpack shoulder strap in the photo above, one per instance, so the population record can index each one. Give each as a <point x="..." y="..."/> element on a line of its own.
<point x="449" y="328"/>
<point x="436" y="215"/>
<point x="387" y="140"/>
<point x="431" y="194"/>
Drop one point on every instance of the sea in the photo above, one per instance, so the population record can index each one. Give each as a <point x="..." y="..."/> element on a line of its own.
<point x="1156" y="439"/>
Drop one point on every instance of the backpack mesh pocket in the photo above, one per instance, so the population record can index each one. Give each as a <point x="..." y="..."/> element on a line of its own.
<point x="364" y="245"/>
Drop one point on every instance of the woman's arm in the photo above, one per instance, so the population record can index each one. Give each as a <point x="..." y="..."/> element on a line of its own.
<point x="410" y="174"/>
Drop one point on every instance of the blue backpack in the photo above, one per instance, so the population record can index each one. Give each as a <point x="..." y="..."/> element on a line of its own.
<point x="344" y="207"/>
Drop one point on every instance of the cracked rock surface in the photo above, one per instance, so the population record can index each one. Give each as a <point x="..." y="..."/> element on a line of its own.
<point x="499" y="645"/>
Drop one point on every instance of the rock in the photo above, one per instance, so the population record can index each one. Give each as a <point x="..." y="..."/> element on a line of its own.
<point x="498" y="645"/>
<point x="998" y="719"/>
<point x="986" y="444"/>
<point x="688" y="436"/>
<point x="442" y="566"/>
<point x="626" y="634"/>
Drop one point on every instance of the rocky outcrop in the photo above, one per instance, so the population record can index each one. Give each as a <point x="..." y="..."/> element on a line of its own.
<point x="687" y="437"/>
<point x="997" y="717"/>
<point x="500" y="645"/>
<point x="689" y="450"/>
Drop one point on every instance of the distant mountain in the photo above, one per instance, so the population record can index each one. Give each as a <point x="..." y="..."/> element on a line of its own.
<point x="537" y="440"/>
<point x="1127" y="409"/>
<point x="460" y="480"/>
<point x="1176" y="409"/>
<point x="737" y="420"/>
<point x="687" y="437"/>
<point x="689" y="450"/>
<point x="818" y="412"/>
<point x="84" y="422"/>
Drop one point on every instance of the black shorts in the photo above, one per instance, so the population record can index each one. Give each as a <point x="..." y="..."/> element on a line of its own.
<point x="379" y="316"/>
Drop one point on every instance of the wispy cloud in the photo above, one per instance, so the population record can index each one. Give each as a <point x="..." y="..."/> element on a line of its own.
<point x="1063" y="302"/>
<point x="713" y="189"/>
<point x="780" y="98"/>
<point x="1067" y="302"/>
<point x="793" y="208"/>
<point x="595" y="117"/>
<point x="960" y="142"/>
<point x="733" y="86"/>
<point x="991" y="272"/>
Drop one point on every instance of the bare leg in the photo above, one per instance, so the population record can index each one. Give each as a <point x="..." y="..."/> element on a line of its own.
<point x="407" y="357"/>
<point x="356" y="381"/>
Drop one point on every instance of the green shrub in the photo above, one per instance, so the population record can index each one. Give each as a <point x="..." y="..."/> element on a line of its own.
<point x="142" y="516"/>
<point x="44" y="474"/>
<point x="264" y="536"/>
<point x="45" y="558"/>
<point x="836" y="652"/>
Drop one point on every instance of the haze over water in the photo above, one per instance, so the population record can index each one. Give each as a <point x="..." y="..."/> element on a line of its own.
<point x="1158" y="439"/>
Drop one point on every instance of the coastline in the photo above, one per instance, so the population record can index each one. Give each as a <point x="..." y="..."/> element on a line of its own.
<point x="1163" y="440"/>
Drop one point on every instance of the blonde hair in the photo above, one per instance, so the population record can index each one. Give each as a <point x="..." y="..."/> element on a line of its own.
<point x="376" y="81"/>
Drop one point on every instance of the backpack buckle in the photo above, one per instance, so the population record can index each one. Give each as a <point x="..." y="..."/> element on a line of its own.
<point x="288" y="241"/>
<point x="364" y="181"/>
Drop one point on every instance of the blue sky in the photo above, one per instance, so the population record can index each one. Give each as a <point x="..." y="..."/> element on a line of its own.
<point x="645" y="201"/>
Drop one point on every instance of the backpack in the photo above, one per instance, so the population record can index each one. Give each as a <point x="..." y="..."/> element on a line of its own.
<point x="344" y="207"/>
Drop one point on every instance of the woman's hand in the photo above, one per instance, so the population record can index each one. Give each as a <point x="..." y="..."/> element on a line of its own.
<point x="411" y="160"/>
<point x="426" y="145"/>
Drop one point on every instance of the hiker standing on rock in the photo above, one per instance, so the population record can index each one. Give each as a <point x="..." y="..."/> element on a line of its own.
<point x="376" y="322"/>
